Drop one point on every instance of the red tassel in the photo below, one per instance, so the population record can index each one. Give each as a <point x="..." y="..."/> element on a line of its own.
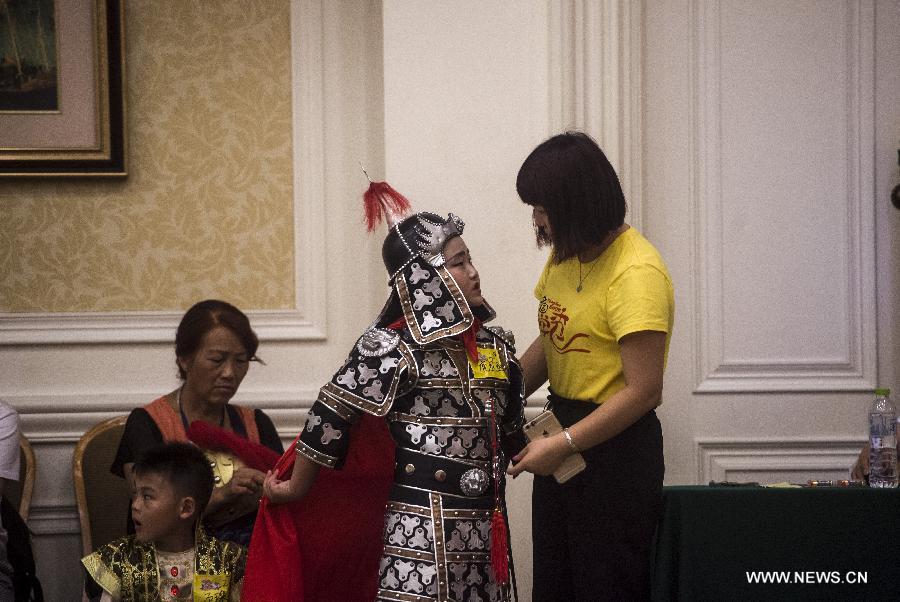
<point x="382" y="202"/>
<point x="468" y="339"/>
<point x="499" y="548"/>
<point x="398" y="324"/>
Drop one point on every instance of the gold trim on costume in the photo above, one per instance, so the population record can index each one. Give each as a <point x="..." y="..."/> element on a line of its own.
<point x="334" y="404"/>
<point x="315" y="456"/>
<point x="104" y="577"/>
<point x="440" y="551"/>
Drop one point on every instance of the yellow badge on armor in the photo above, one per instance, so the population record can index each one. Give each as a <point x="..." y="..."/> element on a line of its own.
<point x="210" y="588"/>
<point x="488" y="364"/>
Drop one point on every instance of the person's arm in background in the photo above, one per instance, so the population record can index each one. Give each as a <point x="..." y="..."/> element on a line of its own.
<point x="9" y="471"/>
<point x="9" y="445"/>
<point x="534" y="367"/>
<point x="643" y="359"/>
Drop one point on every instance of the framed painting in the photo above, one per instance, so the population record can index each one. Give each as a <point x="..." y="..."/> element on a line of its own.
<point x="62" y="102"/>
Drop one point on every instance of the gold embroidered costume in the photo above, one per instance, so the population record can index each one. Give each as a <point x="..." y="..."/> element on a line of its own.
<point x="130" y="570"/>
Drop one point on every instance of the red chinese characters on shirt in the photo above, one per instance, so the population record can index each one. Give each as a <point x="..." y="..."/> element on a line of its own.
<point x="552" y="319"/>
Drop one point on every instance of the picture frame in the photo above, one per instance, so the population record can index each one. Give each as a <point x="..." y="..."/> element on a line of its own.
<point x="82" y="48"/>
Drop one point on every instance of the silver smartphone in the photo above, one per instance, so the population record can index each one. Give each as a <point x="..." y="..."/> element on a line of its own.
<point x="546" y="425"/>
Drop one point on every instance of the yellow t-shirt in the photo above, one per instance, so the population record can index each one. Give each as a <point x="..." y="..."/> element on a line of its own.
<point x="625" y="290"/>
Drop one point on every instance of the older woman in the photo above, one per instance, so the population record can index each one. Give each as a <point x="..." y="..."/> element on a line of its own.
<point x="214" y="345"/>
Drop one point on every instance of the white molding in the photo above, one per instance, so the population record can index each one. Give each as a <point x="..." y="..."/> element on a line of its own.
<point x="719" y="459"/>
<point x="310" y="248"/>
<point x="54" y="419"/>
<point x="595" y="82"/>
<point x="855" y="369"/>
<point x="141" y="327"/>
<point x="49" y="520"/>
<point x="307" y="321"/>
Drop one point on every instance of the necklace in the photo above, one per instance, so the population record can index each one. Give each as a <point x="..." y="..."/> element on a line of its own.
<point x="581" y="278"/>
<point x="184" y="419"/>
<point x="607" y="241"/>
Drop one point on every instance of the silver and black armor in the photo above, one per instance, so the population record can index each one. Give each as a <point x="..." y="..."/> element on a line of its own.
<point x="437" y="403"/>
<point x="441" y="404"/>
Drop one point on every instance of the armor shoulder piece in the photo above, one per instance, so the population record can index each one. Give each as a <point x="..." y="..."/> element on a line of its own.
<point x="377" y="342"/>
<point x="375" y="369"/>
<point x="504" y="335"/>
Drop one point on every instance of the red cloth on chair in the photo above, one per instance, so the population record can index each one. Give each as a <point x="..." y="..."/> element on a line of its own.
<point x="327" y="546"/>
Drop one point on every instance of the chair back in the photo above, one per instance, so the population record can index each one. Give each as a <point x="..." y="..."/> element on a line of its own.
<point x="102" y="497"/>
<point x="19" y="492"/>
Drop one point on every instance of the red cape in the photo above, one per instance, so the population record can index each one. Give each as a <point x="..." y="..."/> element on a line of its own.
<point x="327" y="546"/>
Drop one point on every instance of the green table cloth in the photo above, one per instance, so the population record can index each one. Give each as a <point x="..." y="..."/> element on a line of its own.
<point x="755" y="543"/>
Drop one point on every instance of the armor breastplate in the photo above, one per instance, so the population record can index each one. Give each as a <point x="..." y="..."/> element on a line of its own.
<point x="444" y="413"/>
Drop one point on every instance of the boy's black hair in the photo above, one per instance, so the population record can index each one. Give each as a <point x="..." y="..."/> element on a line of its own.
<point x="183" y="466"/>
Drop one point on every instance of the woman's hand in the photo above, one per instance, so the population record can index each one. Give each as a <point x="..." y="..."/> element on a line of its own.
<point x="246" y="481"/>
<point x="541" y="457"/>
<point x="238" y="497"/>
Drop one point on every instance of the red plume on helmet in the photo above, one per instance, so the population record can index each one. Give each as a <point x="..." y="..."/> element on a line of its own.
<point x="383" y="202"/>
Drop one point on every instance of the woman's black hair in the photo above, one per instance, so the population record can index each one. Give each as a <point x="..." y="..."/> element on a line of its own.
<point x="205" y="316"/>
<point x="570" y="177"/>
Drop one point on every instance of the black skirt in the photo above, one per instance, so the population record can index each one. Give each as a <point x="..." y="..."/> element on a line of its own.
<point x="593" y="535"/>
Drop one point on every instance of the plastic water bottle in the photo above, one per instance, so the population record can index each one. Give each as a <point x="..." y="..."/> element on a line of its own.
<point x="883" y="441"/>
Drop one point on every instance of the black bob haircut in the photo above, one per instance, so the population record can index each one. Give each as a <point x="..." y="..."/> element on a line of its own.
<point x="571" y="178"/>
<point x="183" y="466"/>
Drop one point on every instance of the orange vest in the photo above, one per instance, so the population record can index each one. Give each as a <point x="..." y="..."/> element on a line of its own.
<point x="172" y="427"/>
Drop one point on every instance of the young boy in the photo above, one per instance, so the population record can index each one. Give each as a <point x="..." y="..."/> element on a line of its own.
<point x="169" y="557"/>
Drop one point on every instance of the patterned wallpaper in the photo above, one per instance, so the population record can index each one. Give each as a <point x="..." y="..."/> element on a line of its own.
<point x="206" y="210"/>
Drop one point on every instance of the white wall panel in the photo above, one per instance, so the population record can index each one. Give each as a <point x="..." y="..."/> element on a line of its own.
<point x="465" y="100"/>
<point x="594" y="82"/>
<point x="66" y="372"/>
<point x="769" y="460"/>
<point x="786" y="236"/>
<point x="760" y="120"/>
<point x="304" y="322"/>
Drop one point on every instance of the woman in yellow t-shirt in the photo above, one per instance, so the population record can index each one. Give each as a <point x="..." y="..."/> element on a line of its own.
<point x="605" y="312"/>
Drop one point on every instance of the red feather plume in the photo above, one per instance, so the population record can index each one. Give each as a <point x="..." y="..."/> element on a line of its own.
<point x="383" y="202"/>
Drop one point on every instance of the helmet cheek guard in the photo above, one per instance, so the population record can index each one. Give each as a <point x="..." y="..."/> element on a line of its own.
<point x="431" y="301"/>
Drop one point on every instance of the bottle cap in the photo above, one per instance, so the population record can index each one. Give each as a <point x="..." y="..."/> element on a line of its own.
<point x="882" y="392"/>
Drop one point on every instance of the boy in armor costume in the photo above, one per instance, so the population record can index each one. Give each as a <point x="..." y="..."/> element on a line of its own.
<point x="449" y="390"/>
